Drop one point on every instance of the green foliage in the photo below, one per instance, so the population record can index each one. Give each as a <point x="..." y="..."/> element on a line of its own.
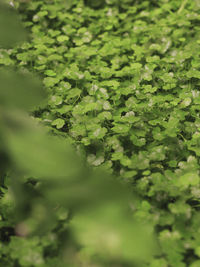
<point x="122" y="79"/>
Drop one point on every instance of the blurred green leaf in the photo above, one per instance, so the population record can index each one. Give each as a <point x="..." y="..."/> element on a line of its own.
<point x="35" y="152"/>
<point x="20" y="90"/>
<point x="11" y="29"/>
<point x="109" y="232"/>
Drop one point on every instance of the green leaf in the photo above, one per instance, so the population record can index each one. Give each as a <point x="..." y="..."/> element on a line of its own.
<point x="73" y="93"/>
<point x="105" y="237"/>
<point x="59" y="123"/>
<point x="138" y="141"/>
<point x="157" y="153"/>
<point x="186" y="102"/>
<point x="50" y="82"/>
<point x="98" y="133"/>
<point x="188" y="179"/>
<point x="33" y="151"/>
<point x="105" y="115"/>
<point x="50" y="73"/>
<point x="56" y="100"/>
<point x="121" y="128"/>
<point x="106" y="105"/>
<point x="64" y="109"/>
<point x="20" y="90"/>
<point x="62" y="38"/>
<point x="139" y="161"/>
<point x="12" y="31"/>
<point x="95" y="160"/>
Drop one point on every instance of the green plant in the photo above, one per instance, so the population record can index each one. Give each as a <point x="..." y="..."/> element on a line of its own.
<point x="123" y="84"/>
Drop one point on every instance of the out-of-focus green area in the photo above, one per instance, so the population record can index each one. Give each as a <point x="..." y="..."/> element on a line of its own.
<point x="99" y="133"/>
<point x="55" y="210"/>
<point x="26" y="94"/>
<point x="11" y="28"/>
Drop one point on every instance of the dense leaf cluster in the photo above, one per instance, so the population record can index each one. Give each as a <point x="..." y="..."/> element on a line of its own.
<point x="123" y="84"/>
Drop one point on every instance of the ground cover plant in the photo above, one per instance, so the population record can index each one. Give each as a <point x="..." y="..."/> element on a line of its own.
<point x="122" y="79"/>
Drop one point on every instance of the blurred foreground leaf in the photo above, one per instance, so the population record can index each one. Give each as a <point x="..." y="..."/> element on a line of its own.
<point x="20" y="90"/>
<point x="111" y="233"/>
<point x="11" y="29"/>
<point x="33" y="151"/>
<point x="87" y="190"/>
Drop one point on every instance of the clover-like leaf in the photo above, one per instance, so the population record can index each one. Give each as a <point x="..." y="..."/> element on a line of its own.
<point x="121" y="128"/>
<point x="98" y="133"/>
<point x="59" y="123"/>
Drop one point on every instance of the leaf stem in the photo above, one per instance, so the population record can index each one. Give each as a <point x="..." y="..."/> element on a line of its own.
<point x="182" y="6"/>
